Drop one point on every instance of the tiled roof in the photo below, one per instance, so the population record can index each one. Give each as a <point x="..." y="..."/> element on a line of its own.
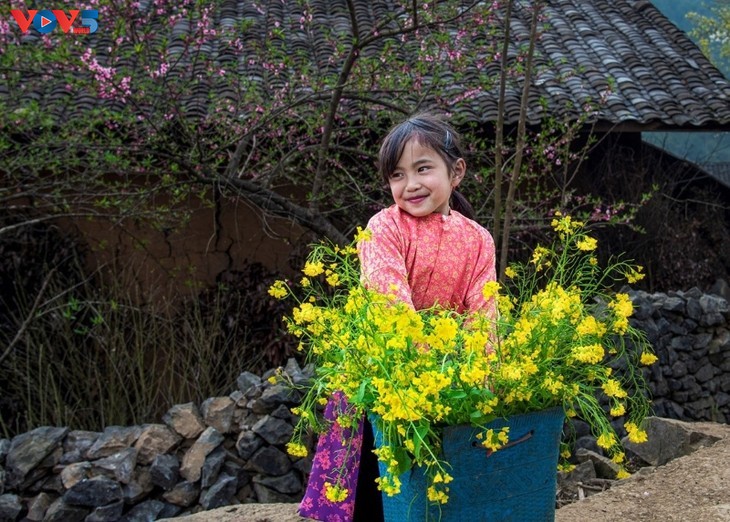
<point x="649" y="73"/>
<point x="660" y="78"/>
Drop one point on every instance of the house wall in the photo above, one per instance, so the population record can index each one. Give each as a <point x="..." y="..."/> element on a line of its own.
<point x="166" y="263"/>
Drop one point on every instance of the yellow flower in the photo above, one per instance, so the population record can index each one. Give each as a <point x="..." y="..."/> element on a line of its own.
<point x="622" y="308"/>
<point x="363" y="234"/>
<point x="439" y="496"/>
<point x="589" y="325"/>
<point x="589" y="354"/>
<point x="540" y="257"/>
<point x="335" y="493"/>
<point x="278" y="290"/>
<point x="490" y="289"/>
<point x="612" y="388"/>
<point x="605" y="440"/>
<point x="587" y="244"/>
<point x="305" y="313"/>
<point x="313" y="269"/>
<point x="333" y="279"/>
<point x="553" y="342"/>
<point x="296" y="450"/>
<point x="622" y="474"/>
<point x="618" y="409"/>
<point x="635" y="274"/>
<point x="493" y="440"/>
<point x="648" y="358"/>
<point x="444" y="332"/>
<point x="636" y="434"/>
<point x="390" y="485"/>
<point x="565" y="225"/>
<point x="566" y="467"/>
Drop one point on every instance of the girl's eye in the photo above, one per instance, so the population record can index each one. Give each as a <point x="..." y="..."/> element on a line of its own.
<point x="395" y="175"/>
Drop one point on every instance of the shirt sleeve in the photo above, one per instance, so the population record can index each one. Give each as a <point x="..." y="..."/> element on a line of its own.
<point x="485" y="272"/>
<point x="383" y="261"/>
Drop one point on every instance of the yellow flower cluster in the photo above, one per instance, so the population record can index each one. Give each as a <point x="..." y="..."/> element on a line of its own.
<point x="555" y="342"/>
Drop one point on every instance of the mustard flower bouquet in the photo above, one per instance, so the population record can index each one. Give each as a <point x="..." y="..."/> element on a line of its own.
<point x="561" y="337"/>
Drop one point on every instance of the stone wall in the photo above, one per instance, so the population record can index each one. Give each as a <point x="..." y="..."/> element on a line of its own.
<point x="231" y="450"/>
<point x="690" y="333"/>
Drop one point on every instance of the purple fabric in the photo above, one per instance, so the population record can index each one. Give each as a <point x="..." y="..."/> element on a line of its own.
<point x="338" y="452"/>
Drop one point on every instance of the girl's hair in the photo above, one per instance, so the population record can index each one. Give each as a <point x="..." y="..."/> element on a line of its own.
<point x="432" y="132"/>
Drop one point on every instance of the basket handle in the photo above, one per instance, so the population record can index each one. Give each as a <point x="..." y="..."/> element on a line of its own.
<point x="512" y="442"/>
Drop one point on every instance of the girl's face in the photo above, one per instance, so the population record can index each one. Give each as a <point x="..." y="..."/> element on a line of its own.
<point x="421" y="183"/>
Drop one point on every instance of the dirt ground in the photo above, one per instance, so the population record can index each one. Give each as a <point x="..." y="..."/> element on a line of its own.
<point x="692" y="488"/>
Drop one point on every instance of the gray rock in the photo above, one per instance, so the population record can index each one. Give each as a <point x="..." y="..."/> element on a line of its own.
<point x="248" y="443"/>
<point x="4" y="450"/>
<point x="220" y="494"/>
<point x="109" y="513"/>
<point x="284" y="413"/>
<point x="603" y="466"/>
<point x="218" y="413"/>
<point x="298" y="376"/>
<point x="234" y="469"/>
<point x="169" y="511"/>
<point x="211" y="467"/>
<point x="194" y="458"/>
<point x="272" y="430"/>
<point x="147" y="511"/>
<point x="266" y="495"/>
<point x="273" y="396"/>
<point x="93" y="492"/>
<point x="288" y="483"/>
<point x="75" y="472"/>
<point x="76" y="444"/>
<point x="155" y="439"/>
<point x="165" y="471"/>
<point x="29" y="450"/>
<point x="139" y="487"/>
<point x="118" y="466"/>
<point x="113" y="440"/>
<point x="185" y="420"/>
<point x="673" y="304"/>
<point x="37" y="506"/>
<point x="59" y="511"/>
<point x="183" y="494"/>
<point x="582" y="473"/>
<point x="269" y="461"/>
<point x="668" y="439"/>
<point x="10" y="507"/>
<point x="246" y="381"/>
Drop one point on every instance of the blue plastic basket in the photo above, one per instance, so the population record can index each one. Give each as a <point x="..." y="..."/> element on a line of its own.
<point x="516" y="483"/>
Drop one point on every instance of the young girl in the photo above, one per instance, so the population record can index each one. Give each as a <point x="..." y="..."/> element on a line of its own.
<point x="425" y="249"/>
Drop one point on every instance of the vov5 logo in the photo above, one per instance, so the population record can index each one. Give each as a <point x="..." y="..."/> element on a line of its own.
<point x="46" y="20"/>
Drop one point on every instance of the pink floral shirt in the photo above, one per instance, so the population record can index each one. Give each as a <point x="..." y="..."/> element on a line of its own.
<point x="428" y="260"/>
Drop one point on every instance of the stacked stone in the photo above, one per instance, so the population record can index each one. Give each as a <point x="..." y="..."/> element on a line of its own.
<point x="690" y="333"/>
<point x="229" y="450"/>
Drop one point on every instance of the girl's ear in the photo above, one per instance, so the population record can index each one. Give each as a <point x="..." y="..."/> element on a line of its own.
<point x="458" y="171"/>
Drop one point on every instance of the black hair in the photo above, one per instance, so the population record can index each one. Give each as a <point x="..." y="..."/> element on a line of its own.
<point x="430" y="131"/>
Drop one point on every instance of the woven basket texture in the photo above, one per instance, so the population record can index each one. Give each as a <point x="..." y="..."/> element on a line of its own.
<point x="516" y="483"/>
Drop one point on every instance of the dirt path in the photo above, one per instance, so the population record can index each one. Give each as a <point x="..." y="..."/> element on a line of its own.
<point x="692" y="488"/>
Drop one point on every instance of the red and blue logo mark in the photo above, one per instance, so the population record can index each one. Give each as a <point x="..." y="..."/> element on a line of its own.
<point x="46" y="20"/>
